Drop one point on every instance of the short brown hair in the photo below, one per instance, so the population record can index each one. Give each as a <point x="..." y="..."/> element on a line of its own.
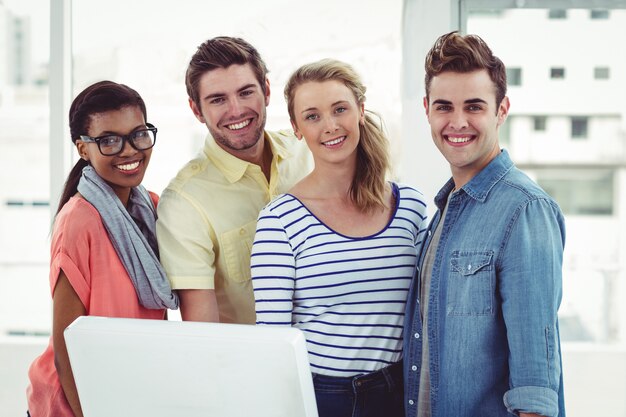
<point x="457" y="53"/>
<point x="222" y="52"/>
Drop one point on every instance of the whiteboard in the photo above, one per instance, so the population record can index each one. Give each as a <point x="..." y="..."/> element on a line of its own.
<point x="133" y="367"/>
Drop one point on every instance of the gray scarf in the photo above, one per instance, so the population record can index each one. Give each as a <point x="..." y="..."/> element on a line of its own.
<point x="133" y="235"/>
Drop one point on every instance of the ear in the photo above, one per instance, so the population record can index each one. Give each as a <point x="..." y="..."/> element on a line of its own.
<point x="295" y="130"/>
<point x="267" y="92"/>
<point x="82" y="150"/>
<point x="503" y="110"/>
<point x="426" y="105"/>
<point x="196" y="111"/>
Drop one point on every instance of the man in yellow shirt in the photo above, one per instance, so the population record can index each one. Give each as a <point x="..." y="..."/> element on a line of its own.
<point x="208" y="212"/>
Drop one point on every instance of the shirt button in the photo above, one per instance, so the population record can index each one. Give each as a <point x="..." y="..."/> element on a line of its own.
<point x="414" y="368"/>
<point x="416" y="335"/>
<point x="411" y="402"/>
<point x="242" y="232"/>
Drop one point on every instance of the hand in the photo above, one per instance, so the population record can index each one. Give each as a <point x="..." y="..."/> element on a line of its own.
<point x="530" y="415"/>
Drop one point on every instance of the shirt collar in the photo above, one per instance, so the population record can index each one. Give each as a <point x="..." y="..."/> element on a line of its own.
<point x="234" y="168"/>
<point x="479" y="187"/>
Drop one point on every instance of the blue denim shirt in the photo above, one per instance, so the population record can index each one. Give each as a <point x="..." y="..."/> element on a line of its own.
<point x="495" y="291"/>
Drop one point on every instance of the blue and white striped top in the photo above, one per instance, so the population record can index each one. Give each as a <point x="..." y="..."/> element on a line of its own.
<point x="346" y="294"/>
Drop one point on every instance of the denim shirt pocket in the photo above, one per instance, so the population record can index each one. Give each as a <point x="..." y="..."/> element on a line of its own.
<point x="471" y="284"/>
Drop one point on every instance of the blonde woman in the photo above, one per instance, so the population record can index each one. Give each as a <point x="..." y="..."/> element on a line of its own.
<point x="335" y="256"/>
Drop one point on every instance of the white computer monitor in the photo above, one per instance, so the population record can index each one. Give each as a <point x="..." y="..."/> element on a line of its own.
<point x="132" y="367"/>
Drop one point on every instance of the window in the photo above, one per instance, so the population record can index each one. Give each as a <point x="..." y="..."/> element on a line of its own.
<point x="601" y="73"/>
<point x="579" y="191"/>
<point x="579" y="127"/>
<point x="514" y="76"/>
<point x="539" y="123"/>
<point x="557" y="14"/>
<point x="24" y="140"/>
<point x="599" y="14"/>
<point x="557" y="73"/>
<point x="571" y="162"/>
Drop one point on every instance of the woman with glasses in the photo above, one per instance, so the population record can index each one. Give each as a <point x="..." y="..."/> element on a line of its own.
<point x="336" y="255"/>
<point x="104" y="256"/>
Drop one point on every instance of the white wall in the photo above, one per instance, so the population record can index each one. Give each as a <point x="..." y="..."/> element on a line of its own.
<point x="594" y="380"/>
<point x="16" y="355"/>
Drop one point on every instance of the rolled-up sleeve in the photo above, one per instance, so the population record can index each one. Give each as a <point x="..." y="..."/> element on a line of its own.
<point x="530" y="286"/>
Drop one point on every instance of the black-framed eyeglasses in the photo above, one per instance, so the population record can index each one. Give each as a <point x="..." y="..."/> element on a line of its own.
<point x="110" y="145"/>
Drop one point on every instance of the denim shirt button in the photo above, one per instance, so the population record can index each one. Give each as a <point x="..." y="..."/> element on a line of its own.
<point x="411" y="402"/>
<point x="414" y="368"/>
<point x="416" y="335"/>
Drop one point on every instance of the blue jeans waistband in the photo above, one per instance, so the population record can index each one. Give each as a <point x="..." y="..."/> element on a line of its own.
<point x="391" y="376"/>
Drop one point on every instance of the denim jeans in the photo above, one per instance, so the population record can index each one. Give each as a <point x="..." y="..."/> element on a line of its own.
<point x="377" y="394"/>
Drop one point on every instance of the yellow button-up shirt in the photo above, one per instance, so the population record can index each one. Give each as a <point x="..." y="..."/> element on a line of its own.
<point x="207" y="219"/>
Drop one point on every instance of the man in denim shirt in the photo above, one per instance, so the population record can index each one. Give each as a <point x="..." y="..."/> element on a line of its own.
<point x="481" y="330"/>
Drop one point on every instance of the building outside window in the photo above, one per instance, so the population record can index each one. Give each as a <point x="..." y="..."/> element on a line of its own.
<point x="578" y="159"/>
<point x="580" y="127"/>
<point x="557" y="73"/>
<point x="580" y="191"/>
<point x="601" y="73"/>
<point x="514" y="76"/>
<point x="24" y="173"/>
<point x="539" y="123"/>
<point x="599" y="14"/>
<point x="557" y="14"/>
<point x="504" y="134"/>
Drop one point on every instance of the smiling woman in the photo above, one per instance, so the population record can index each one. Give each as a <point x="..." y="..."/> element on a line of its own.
<point x="104" y="254"/>
<point x="335" y="255"/>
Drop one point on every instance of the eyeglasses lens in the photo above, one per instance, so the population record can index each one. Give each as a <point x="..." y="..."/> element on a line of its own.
<point x="142" y="139"/>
